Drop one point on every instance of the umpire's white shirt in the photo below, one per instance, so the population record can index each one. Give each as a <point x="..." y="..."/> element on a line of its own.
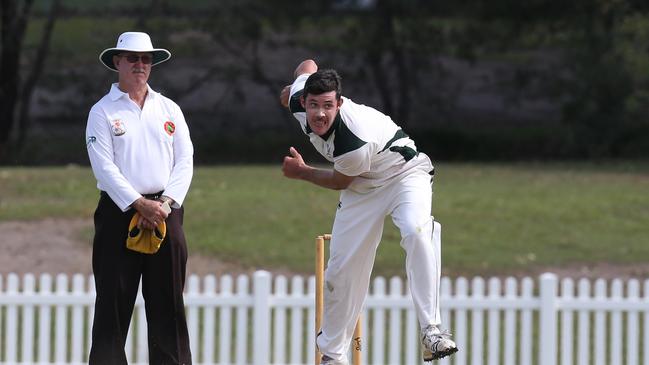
<point x="137" y="151"/>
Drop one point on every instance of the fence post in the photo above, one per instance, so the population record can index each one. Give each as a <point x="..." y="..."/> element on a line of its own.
<point x="261" y="318"/>
<point x="548" y="320"/>
<point x="11" y="320"/>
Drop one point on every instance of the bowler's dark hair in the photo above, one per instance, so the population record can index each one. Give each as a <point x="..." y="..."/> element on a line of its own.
<point x="323" y="81"/>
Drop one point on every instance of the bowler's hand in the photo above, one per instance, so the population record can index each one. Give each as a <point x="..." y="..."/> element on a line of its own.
<point x="294" y="166"/>
<point x="307" y="66"/>
<point x="284" y="96"/>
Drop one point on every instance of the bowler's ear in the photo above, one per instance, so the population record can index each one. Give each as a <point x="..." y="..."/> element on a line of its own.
<point x="340" y="102"/>
<point x="116" y="61"/>
<point x="302" y="101"/>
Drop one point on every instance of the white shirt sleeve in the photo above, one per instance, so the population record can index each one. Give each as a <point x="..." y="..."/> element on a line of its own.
<point x="100" y="152"/>
<point x="298" y="84"/>
<point x="183" y="166"/>
<point x="294" y="101"/>
<point x="355" y="162"/>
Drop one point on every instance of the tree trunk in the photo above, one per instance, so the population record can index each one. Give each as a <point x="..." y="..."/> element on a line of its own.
<point x="35" y="73"/>
<point x="14" y="21"/>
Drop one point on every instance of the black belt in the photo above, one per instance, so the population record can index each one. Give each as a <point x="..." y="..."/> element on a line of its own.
<point x="153" y="196"/>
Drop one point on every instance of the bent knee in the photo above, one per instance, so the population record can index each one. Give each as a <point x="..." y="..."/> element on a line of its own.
<point x="420" y="230"/>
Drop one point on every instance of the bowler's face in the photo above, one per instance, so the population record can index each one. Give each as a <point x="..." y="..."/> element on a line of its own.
<point x="133" y="67"/>
<point x="321" y="111"/>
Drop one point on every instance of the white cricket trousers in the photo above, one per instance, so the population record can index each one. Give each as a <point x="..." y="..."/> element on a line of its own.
<point x="356" y="234"/>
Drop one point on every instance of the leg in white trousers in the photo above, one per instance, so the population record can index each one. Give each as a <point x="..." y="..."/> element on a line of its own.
<point x="356" y="233"/>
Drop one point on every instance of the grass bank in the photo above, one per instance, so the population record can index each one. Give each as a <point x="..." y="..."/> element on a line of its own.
<point x="497" y="218"/>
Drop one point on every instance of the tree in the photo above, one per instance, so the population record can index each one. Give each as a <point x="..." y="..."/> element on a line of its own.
<point x="15" y="91"/>
<point x="243" y="44"/>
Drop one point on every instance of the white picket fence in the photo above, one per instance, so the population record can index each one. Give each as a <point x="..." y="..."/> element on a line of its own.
<point x="271" y="322"/>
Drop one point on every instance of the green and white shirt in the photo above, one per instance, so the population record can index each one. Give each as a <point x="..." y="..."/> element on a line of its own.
<point x="361" y="142"/>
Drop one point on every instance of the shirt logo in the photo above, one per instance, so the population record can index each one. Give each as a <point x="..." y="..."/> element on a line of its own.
<point x="91" y="139"/>
<point x="329" y="150"/>
<point x="169" y="127"/>
<point x="118" y="127"/>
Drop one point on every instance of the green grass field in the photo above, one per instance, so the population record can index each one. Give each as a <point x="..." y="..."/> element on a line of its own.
<point x="497" y="218"/>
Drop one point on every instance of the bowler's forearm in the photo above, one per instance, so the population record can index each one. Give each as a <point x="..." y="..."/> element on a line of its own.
<point x="326" y="178"/>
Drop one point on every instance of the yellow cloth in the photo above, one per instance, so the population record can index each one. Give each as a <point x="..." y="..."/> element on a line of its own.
<point x="145" y="240"/>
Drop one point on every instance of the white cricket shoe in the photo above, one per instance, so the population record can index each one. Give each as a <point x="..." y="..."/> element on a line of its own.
<point x="436" y="344"/>
<point x="326" y="360"/>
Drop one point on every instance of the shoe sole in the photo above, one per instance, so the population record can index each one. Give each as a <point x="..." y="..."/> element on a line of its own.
<point x="428" y="356"/>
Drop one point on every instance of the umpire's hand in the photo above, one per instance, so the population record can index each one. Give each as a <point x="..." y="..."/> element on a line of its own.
<point x="151" y="213"/>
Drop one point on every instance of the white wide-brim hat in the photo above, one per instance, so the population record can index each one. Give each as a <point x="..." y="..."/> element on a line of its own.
<point x="133" y="42"/>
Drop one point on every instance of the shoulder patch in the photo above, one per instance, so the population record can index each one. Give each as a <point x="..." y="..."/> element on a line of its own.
<point x="169" y="127"/>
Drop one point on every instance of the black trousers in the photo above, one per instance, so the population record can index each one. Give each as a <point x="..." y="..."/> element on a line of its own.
<point x="117" y="272"/>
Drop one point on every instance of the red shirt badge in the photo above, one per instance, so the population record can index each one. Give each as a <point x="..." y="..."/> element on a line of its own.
<point x="170" y="128"/>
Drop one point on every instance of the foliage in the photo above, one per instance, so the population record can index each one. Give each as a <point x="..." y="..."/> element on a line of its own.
<point x="425" y="63"/>
<point x="606" y="92"/>
<point x="17" y="82"/>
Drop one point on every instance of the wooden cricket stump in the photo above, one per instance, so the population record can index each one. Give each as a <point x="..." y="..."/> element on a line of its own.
<point x="319" y="302"/>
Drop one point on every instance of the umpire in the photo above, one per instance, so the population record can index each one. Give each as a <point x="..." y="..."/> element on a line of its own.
<point x="142" y="157"/>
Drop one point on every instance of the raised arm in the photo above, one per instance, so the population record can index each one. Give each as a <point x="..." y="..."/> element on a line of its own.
<point x="284" y="96"/>
<point x="305" y="67"/>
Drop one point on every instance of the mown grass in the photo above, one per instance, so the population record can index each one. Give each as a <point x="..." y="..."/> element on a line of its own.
<point x="497" y="218"/>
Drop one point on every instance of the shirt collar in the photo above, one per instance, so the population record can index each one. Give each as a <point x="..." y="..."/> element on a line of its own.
<point x="115" y="93"/>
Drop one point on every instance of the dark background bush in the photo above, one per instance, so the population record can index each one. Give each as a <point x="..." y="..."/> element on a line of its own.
<point x="498" y="80"/>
